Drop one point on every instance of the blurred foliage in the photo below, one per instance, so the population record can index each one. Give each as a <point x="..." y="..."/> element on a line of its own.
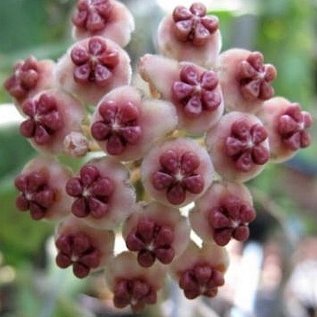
<point x="45" y="293"/>
<point x="37" y="27"/>
<point x="284" y="32"/>
<point x="288" y="39"/>
<point x="287" y="36"/>
<point x="14" y="146"/>
<point x="31" y="23"/>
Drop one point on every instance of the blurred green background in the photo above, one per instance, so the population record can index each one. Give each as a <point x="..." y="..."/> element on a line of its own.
<point x="284" y="30"/>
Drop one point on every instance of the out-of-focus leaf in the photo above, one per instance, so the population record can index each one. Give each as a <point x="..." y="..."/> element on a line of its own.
<point x="15" y="151"/>
<point x="28" y="304"/>
<point x="32" y="27"/>
<point x="26" y="23"/>
<point x="66" y="308"/>
<point x="274" y="8"/>
<point x="21" y="23"/>
<point x="226" y="19"/>
<point x="287" y="41"/>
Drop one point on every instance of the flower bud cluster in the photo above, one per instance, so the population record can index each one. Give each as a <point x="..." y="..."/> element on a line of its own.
<point x="208" y="123"/>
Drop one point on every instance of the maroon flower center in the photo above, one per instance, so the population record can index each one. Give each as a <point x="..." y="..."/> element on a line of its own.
<point x="230" y="219"/>
<point x="95" y="63"/>
<point x="92" y="192"/>
<point x="151" y="241"/>
<point x="35" y="194"/>
<point x="92" y="15"/>
<point x="44" y="119"/>
<point x="119" y="126"/>
<point x="135" y="292"/>
<point x="77" y="250"/>
<point x="255" y="78"/>
<point x="292" y="126"/>
<point x="24" y="78"/>
<point x="196" y="92"/>
<point x="193" y="25"/>
<point x="202" y="279"/>
<point x="245" y="147"/>
<point x="178" y="174"/>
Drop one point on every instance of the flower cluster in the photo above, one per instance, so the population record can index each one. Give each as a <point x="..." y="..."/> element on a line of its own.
<point x="207" y="123"/>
